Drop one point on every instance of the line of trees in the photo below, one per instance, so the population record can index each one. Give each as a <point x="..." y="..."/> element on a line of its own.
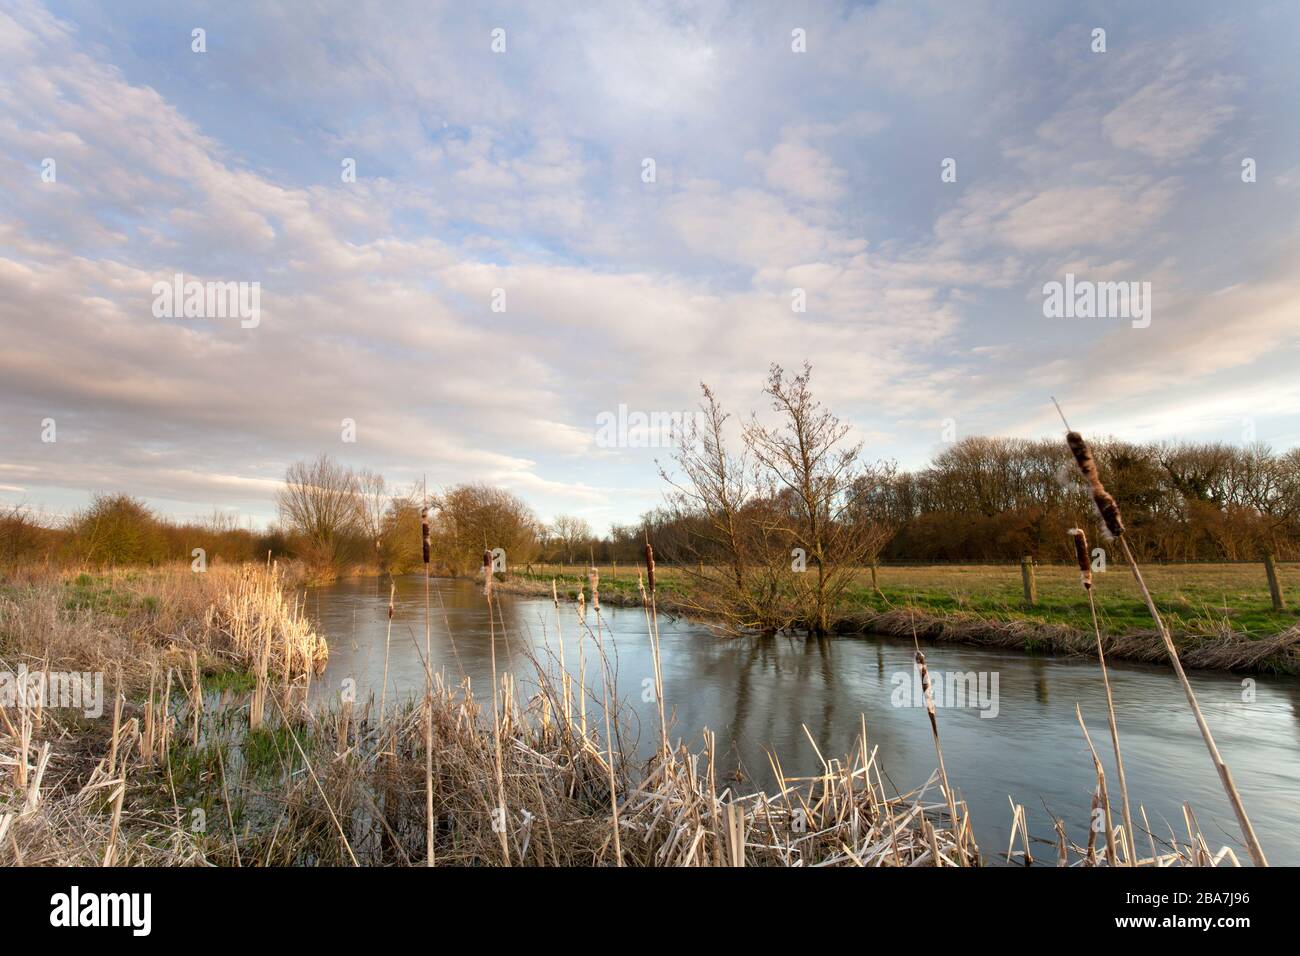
<point x="774" y="527"/>
<point x="117" y="529"/>
<point x="777" y="527"/>
<point x="980" y="499"/>
<point x="999" y="498"/>
<point x="332" y="517"/>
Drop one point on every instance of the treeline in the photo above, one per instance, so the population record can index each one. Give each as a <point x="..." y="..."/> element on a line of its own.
<point x="799" y="492"/>
<point x="775" y="525"/>
<point x="333" y="518"/>
<point x="999" y="499"/>
<point x="118" y="530"/>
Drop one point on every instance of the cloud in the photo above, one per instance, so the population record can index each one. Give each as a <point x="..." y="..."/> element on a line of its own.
<point x="1176" y="113"/>
<point x="522" y="172"/>
<point x="804" y="172"/>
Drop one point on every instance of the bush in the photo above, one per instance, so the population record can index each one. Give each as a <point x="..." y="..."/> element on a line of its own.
<point x="117" y="529"/>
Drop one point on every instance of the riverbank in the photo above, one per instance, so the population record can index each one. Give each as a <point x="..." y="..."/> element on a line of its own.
<point x="1219" y="615"/>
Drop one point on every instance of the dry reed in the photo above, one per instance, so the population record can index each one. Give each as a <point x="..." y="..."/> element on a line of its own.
<point x="1108" y="510"/>
<point x="1085" y="576"/>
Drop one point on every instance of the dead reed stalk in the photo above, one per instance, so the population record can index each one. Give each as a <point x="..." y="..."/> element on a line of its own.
<point x="1102" y="795"/>
<point x="1108" y="510"/>
<point x="388" y="643"/>
<point x="1083" y="558"/>
<point x="428" y="691"/>
<point x="928" y="691"/>
<point x="500" y="816"/>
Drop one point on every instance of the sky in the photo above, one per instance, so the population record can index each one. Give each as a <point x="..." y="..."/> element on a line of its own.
<point x="503" y="273"/>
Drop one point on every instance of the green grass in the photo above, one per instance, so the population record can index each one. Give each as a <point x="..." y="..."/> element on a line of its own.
<point x="1199" y="598"/>
<point x="235" y="680"/>
<point x="270" y="751"/>
<point x="1194" y="598"/>
<point x="99" y="593"/>
<point x="621" y="581"/>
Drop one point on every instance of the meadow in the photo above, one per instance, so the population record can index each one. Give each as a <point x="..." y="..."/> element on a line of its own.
<point x="1207" y="606"/>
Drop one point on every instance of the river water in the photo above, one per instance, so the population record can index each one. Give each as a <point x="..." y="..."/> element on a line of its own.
<point x="1010" y="729"/>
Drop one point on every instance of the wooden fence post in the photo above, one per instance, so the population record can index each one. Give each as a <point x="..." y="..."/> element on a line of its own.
<point x="1027" y="576"/>
<point x="1274" y="588"/>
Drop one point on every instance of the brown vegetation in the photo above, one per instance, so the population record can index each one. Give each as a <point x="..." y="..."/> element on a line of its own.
<point x="773" y="534"/>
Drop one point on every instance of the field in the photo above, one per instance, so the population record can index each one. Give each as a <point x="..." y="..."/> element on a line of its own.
<point x="1202" y="603"/>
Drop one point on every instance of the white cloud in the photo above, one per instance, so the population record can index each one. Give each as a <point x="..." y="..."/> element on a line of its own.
<point x="816" y="171"/>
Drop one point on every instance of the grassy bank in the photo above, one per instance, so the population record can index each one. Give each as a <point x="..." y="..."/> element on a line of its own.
<point x="1220" y="615"/>
<point x="210" y="755"/>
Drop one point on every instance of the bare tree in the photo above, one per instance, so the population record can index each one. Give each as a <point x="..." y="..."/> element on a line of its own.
<point x="472" y="518"/>
<point x="571" y="534"/>
<point x="373" y="503"/>
<point x="402" y="548"/>
<point x="735" y="547"/>
<point x="318" y="503"/>
<point x="809" y="460"/>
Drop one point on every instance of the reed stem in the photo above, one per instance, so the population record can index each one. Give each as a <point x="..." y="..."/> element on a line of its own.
<point x="1225" y="775"/>
<point x="1114" y="737"/>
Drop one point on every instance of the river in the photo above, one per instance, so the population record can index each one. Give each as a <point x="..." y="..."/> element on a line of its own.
<point x="1011" y="729"/>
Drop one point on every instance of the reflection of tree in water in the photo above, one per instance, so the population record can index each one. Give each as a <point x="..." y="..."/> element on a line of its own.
<point x="798" y="678"/>
<point x="1039" y="670"/>
<point x="1292" y="690"/>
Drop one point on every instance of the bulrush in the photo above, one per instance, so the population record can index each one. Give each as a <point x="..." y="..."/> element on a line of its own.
<point x="650" y="566"/>
<point x="1107" y="509"/>
<point x="593" y="579"/>
<point x="1081" y="556"/>
<point x="958" y="820"/>
<point x="487" y="574"/>
<point x="424" y="531"/>
<point x="1114" y="530"/>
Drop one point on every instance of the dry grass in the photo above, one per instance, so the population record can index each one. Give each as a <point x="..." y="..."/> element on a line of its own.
<point x="146" y="620"/>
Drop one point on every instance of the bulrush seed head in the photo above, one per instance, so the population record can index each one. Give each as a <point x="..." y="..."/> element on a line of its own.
<point x="1081" y="555"/>
<point x="1107" y="508"/>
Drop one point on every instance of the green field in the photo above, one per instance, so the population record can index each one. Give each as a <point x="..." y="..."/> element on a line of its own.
<point x="1196" y="598"/>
